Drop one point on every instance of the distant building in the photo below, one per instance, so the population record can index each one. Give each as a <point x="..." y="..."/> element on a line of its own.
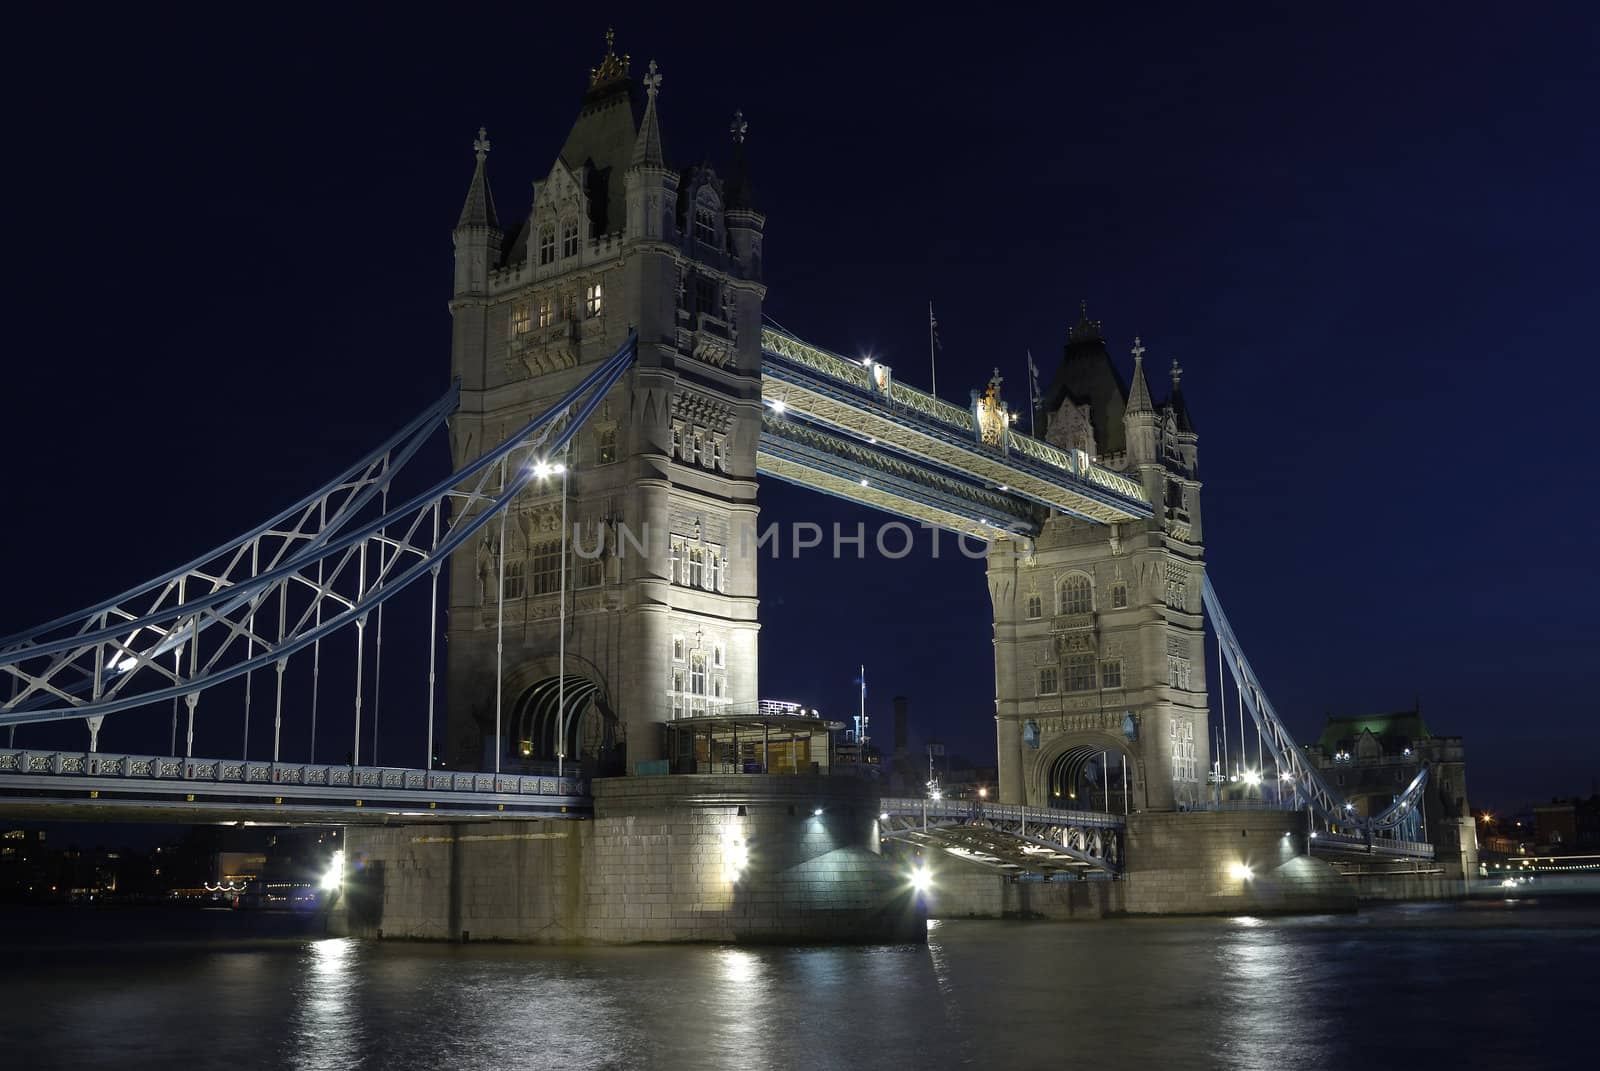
<point x="1568" y="825"/>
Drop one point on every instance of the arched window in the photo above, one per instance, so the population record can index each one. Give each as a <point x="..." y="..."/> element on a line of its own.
<point x="547" y="244"/>
<point x="1077" y="595"/>
<point x="569" y="239"/>
<point x="705" y="224"/>
<point x="1035" y="606"/>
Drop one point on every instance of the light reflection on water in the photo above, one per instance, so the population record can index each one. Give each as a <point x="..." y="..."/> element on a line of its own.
<point x="1397" y="985"/>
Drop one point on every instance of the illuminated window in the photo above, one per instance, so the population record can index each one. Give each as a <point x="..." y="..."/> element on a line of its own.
<point x="1048" y="682"/>
<point x="677" y="438"/>
<point x="1177" y="672"/>
<point x="547" y="311"/>
<point x="714" y="570"/>
<point x="719" y="453"/>
<point x="705" y="224"/>
<point x="547" y="244"/>
<point x="697" y="567"/>
<point x="697" y="682"/>
<point x="521" y="318"/>
<point x="1111" y="673"/>
<point x="719" y="656"/>
<point x="513" y="587"/>
<point x="544" y="568"/>
<point x="1119" y="596"/>
<point x="1080" y="673"/>
<point x="569" y="239"/>
<point x="677" y="693"/>
<point x="591" y="300"/>
<point x="605" y="441"/>
<point x="1035" y="607"/>
<point x="677" y="561"/>
<point x="1077" y="595"/>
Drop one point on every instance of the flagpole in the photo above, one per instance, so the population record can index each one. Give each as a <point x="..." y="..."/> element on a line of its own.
<point x="1033" y="398"/>
<point x="933" y="370"/>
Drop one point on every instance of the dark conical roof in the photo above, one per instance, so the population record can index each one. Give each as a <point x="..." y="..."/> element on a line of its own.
<point x="1088" y="376"/>
<point x="602" y="138"/>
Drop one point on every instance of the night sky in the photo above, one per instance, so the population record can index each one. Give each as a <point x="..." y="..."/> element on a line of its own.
<point x="1370" y="240"/>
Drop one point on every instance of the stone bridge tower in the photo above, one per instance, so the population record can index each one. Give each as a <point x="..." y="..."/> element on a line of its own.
<point x="1099" y="640"/>
<point x="663" y="476"/>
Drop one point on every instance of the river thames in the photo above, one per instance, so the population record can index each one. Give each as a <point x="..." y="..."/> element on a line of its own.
<point x="1497" y="984"/>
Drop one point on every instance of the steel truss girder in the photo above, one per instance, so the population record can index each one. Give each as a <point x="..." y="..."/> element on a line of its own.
<point x="328" y="579"/>
<point x="850" y="408"/>
<point x="844" y="468"/>
<point x="297" y="530"/>
<point x="1307" y="781"/>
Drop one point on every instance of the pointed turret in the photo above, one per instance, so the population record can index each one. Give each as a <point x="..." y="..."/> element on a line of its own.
<point x="1139" y="392"/>
<point x="745" y="224"/>
<point x="479" y="208"/>
<point x="652" y="187"/>
<point x="477" y="235"/>
<point x="1180" y="409"/>
<point x="1139" y="418"/>
<point x="647" y="145"/>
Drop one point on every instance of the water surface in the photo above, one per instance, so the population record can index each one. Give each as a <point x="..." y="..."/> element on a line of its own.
<point x="1502" y="985"/>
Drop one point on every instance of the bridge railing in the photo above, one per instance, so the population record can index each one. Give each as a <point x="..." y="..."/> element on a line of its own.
<point x="69" y="765"/>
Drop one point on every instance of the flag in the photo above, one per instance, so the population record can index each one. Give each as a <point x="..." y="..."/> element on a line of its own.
<point x="1033" y="379"/>
<point x="933" y="329"/>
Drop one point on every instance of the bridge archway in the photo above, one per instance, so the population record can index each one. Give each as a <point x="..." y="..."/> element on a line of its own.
<point x="1087" y="772"/>
<point x="547" y="711"/>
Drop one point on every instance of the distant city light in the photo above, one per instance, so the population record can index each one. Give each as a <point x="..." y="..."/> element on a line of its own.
<point x="983" y="793"/>
<point x="817" y="813"/>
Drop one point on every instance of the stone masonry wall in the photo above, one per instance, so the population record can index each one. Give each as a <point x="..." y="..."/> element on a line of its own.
<point x="664" y="858"/>
<point x="1184" y="863"/>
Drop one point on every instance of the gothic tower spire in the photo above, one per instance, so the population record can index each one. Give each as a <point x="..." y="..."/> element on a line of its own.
<point x="1139" y="392"/>
<point x="1140" y="420"/>
<point x="647" y="146"/>
<point x="478" y="211"/>
<point x="477" y="235"/>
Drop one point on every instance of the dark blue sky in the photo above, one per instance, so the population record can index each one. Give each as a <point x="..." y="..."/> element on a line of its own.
<point x="1369" y="238"/>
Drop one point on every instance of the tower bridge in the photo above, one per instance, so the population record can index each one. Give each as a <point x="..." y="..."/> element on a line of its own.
<point x="613" y="374"/>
